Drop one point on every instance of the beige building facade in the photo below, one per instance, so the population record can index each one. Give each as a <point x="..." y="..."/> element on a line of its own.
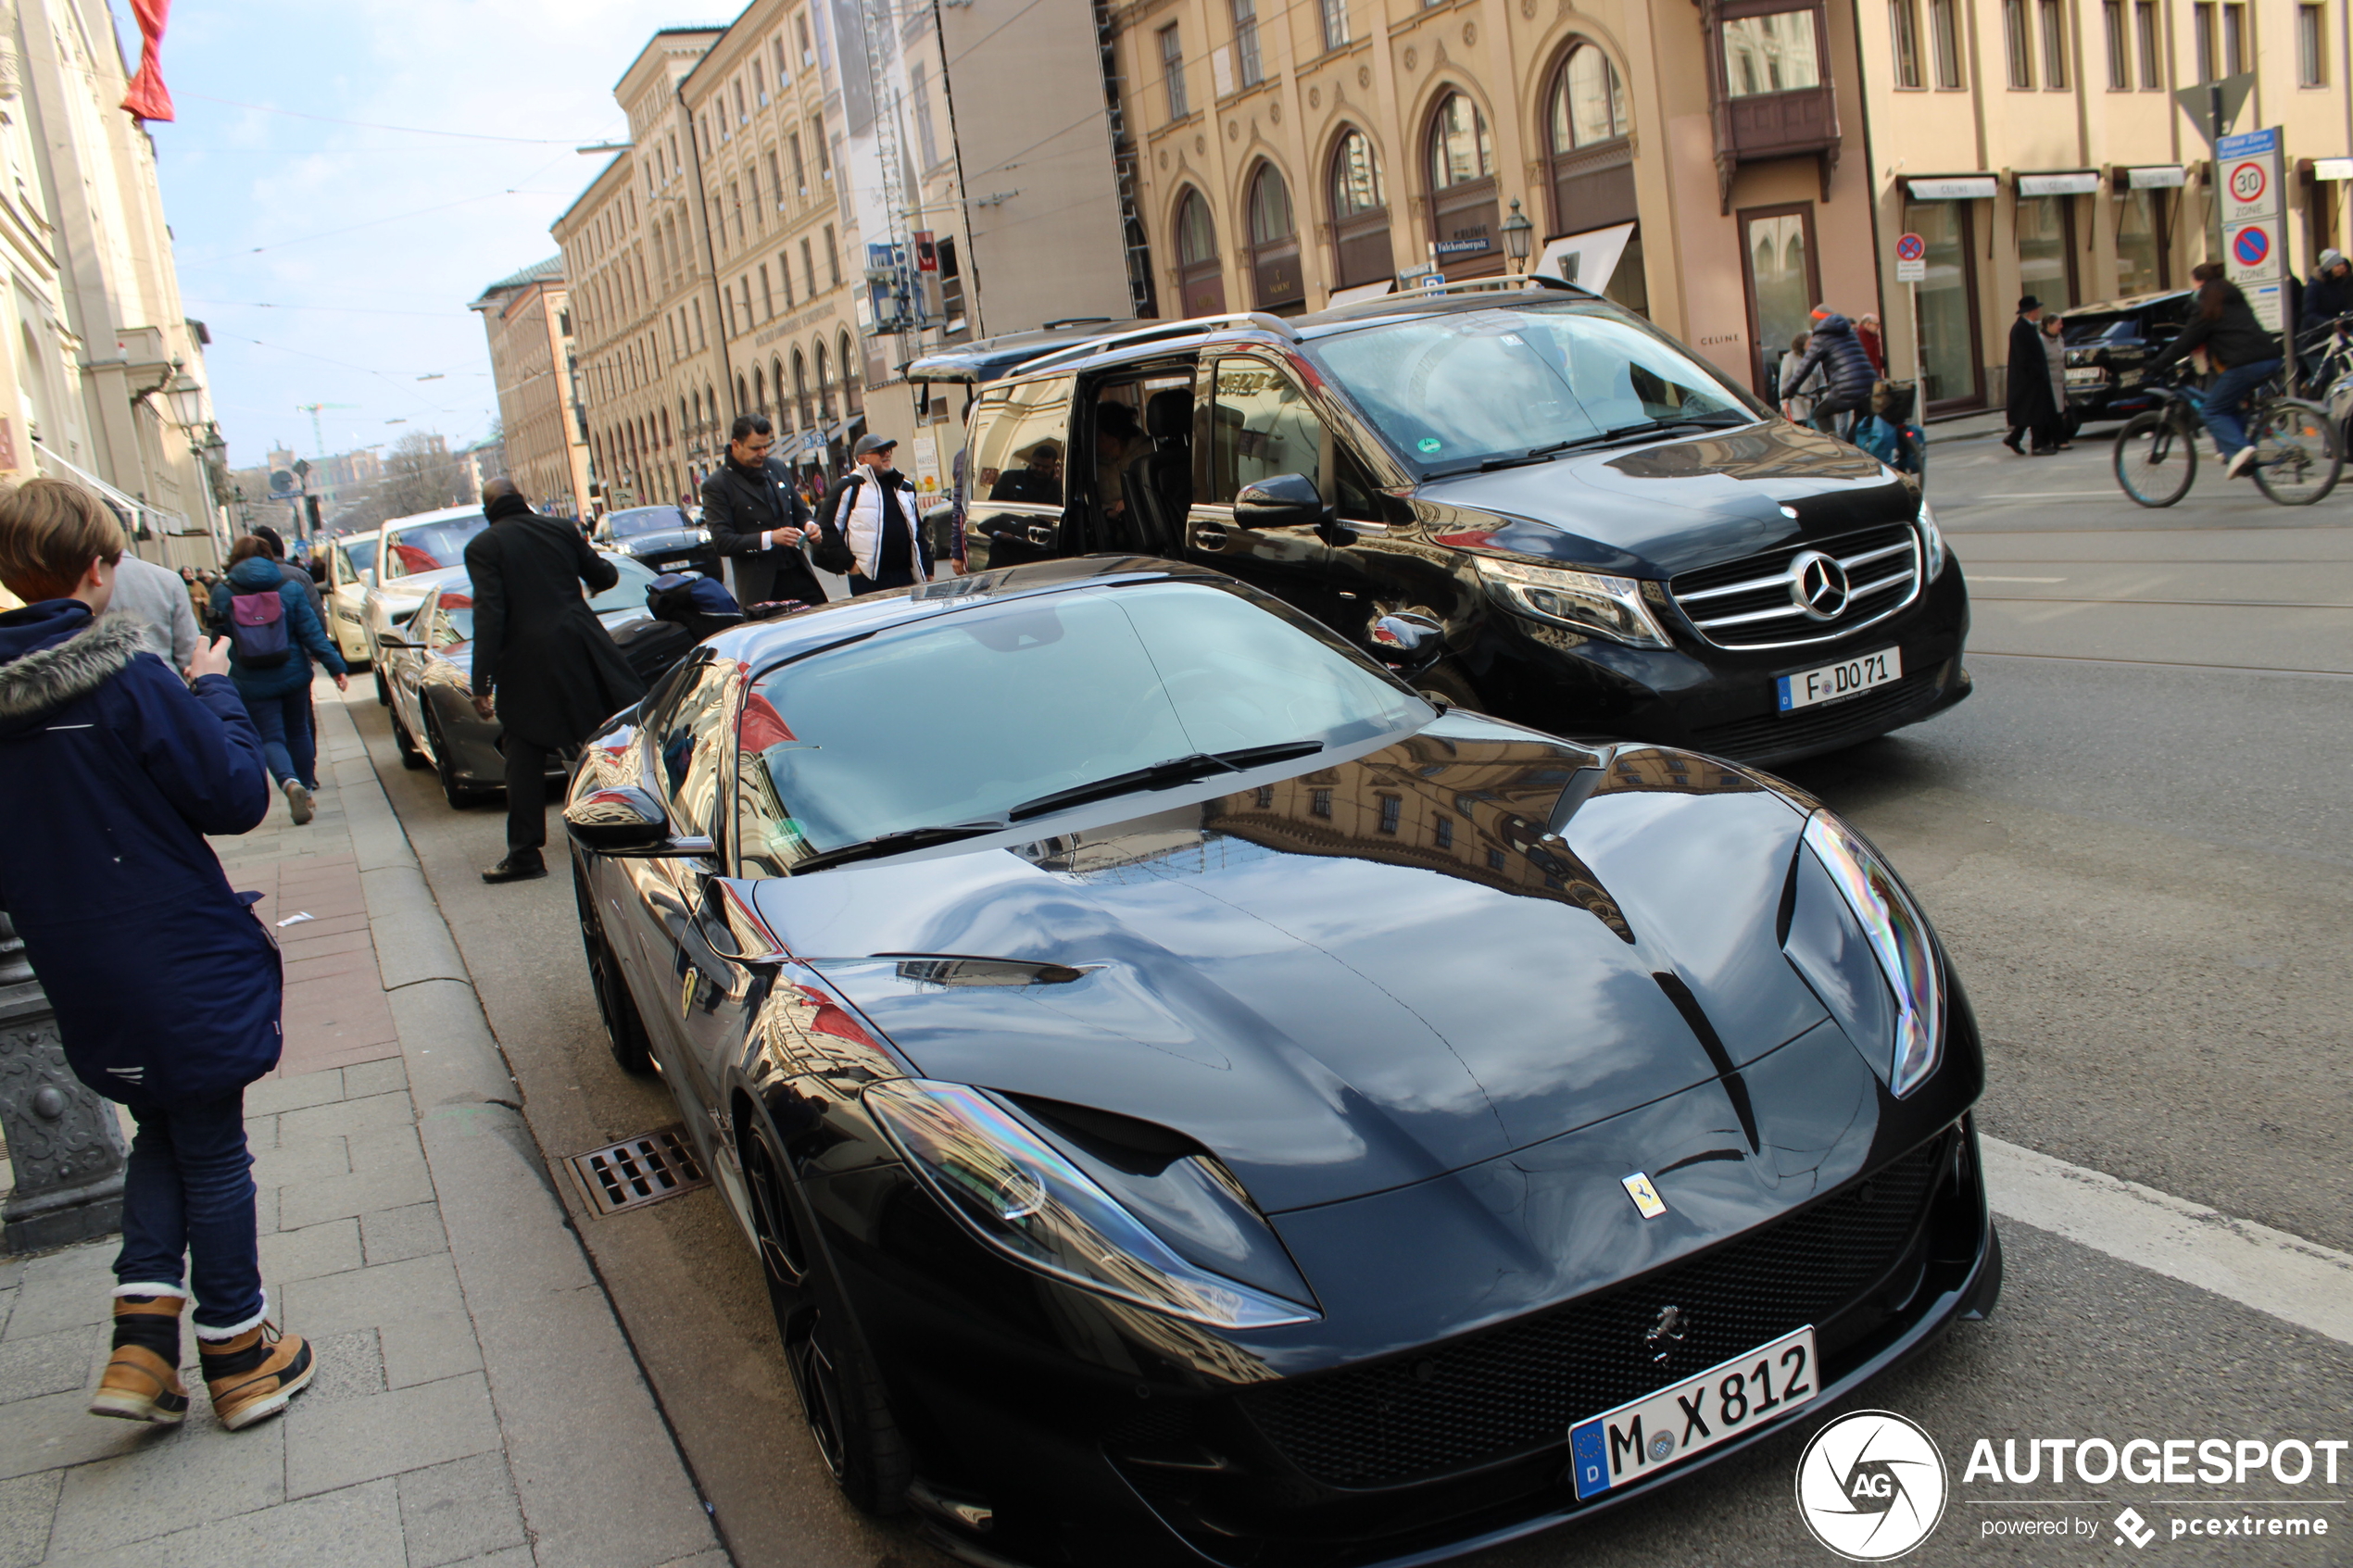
<point x="94" y="342"/>
<point x="2037" y="147"/>
<point x="527" y="318"/>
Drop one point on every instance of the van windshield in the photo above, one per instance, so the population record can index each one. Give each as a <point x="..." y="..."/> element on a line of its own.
<point x="1452" y="392"/>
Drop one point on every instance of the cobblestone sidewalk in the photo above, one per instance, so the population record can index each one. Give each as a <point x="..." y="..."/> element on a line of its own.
<point x="477" y="1403"/>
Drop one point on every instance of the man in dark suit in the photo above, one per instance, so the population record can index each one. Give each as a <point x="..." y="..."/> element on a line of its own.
<point x="542" y="661"/>
<point x="756" y="518"/>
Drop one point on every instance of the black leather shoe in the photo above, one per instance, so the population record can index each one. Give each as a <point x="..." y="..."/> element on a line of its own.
<point x="520" y="865"/>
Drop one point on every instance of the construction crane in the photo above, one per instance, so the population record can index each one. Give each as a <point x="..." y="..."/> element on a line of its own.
<point x="318" y="440"/>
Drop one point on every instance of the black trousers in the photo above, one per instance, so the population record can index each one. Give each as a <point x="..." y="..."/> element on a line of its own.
<point x="526" y="792"/>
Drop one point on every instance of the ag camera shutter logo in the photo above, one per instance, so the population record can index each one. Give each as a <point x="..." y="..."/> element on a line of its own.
<point x="1871" y="1486"/>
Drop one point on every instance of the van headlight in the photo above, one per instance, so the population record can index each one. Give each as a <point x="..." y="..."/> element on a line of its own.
<point x="1591" y="601"/>
<point x="1932" y="540"/>
<point x="1876" y="971"/>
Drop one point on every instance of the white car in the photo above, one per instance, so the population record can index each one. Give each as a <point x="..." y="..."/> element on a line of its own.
<point x="351" y="559"/>
<point x="405" y="546"/>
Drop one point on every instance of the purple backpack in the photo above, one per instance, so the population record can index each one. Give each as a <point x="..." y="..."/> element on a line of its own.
<point x="257" y="627"/>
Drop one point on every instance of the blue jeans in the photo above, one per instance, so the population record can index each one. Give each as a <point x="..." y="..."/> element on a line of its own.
<point x="187" y="1193"/>
<point x="287" y="746"/>
<point x="2220" y="402"/>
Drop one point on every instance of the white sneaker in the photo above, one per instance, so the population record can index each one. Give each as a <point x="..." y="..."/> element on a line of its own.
<point x="2239" y="459"/>
<point x="298" y="802"/>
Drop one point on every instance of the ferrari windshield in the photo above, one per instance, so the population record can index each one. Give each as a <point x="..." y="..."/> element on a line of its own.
<point x="1456" y="390"/>
<point x="965" y="718"/>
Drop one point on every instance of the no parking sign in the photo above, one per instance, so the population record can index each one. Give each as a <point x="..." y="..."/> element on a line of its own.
<point x="2249" y="168"/>
<point x="1911" y="264"/>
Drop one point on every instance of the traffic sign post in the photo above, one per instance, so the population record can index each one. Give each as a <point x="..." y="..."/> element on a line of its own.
<point x="1911" y="266"/>
<point x="2252" y="217"/>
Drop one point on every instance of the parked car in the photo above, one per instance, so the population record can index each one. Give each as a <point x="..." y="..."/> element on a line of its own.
<point x="1613" y="539"/>
<point x="407" y="547"/>
<point x="351" y="561"/>
<point x="427" y="666"/>
<point x="1189" y="1094"/>
<point x="663" y="538"/>
<point x="2110" y="344"/>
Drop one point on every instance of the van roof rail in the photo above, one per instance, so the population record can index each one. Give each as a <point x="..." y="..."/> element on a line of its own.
<point x="1495" y="283"/>
<point x="1192" y="327"/>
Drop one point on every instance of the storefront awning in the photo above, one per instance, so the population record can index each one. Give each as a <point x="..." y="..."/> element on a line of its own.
<point x="2075" y="182"/>
<point x="2160" y="177"/>
<point x="2333" y="168"/>
<point x="1955" y="188"/>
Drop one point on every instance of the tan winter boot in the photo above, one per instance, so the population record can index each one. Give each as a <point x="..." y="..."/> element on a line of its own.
<point x="142" y="1380"/>
<point x="253" y="1376"/>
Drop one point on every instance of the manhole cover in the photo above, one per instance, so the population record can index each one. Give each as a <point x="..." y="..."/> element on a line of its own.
<point x="636" y="1172"/>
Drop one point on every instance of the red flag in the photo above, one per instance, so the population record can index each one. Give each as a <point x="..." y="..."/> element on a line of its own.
<point x="148" y="97"/>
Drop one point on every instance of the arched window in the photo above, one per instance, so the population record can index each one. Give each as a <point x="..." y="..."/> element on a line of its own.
<point x="1200" y="278"/>
<point x="825" y="385"/>
<point x="1360" y="213"/>
<point x="1274" y="243"/>
<point x="852" y="400"/>
<point x="743" y="400"/>
<point x="1464" y="217"/>
<point x="784" y="404"/>
<point x="759" y="390"/>
<point x="1592" y="169"/>
<point x="801" y="391"/>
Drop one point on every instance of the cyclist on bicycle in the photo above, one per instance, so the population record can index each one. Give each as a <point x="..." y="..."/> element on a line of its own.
<point x="2245" y="355"/>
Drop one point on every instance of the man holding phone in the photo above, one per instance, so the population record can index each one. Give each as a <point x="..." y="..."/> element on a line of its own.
<point x="756" y="519"/>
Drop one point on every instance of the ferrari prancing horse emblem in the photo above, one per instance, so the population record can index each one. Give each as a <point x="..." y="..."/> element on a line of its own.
<point x="1638" y="1187"/>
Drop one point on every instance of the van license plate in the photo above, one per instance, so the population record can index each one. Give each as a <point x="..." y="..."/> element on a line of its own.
<point x="1645" y="1435"/>
<point x="1832" y="682"/>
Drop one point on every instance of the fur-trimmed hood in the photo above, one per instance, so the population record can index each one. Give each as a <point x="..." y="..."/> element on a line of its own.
<point x="54" y="653"/>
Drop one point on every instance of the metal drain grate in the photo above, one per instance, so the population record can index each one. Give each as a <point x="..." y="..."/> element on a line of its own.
<point x="636" y="1172"/>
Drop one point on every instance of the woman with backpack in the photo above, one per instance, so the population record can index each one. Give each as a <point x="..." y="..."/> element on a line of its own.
<point x="271" y="625"/>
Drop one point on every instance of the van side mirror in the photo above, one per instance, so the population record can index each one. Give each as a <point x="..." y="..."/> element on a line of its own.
<point x="1284" y="501"/>
<point x="367" y="576"/>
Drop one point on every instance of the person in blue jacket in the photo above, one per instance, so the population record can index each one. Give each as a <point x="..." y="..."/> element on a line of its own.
<point x="165" y="987"/>
<point x="278" y="697"/>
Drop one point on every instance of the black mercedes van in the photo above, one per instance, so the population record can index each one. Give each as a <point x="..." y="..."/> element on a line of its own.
<point x="1527" y="499"/>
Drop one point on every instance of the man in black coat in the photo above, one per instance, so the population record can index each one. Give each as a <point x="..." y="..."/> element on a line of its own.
<point x="2033" y="410"/>
<point x="756" y="516"/>
<point x="542" y="661"/>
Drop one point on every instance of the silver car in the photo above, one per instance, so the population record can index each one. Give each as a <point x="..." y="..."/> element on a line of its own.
<point x="405" y="546"/>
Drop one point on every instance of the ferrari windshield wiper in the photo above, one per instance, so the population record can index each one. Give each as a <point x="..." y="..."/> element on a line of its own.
<point x="1165" y="775"/>
<point x="904" y="838"/>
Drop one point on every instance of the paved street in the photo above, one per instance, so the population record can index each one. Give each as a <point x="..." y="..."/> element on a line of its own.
<point x="2131" y="838"/>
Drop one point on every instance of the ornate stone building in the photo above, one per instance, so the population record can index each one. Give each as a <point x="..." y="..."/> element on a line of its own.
<point x="544" y="426"/>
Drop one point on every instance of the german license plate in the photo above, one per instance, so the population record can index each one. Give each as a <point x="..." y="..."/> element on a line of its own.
<point x="1832" y="682"/>
<point x="1634" y="1441"/>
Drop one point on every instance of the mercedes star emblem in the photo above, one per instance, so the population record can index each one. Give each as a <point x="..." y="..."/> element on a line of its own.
<point x="1817" y="585"/>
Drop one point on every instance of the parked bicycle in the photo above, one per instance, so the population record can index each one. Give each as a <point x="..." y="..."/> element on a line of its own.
<point x="2299" y="451"/>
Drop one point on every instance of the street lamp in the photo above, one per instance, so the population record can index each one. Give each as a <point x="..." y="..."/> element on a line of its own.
<point x="186" y="396"/>
<point x="1517" y="229"/>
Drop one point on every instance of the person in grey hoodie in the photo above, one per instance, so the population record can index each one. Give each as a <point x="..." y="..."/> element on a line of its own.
<point x="158" y="600"/>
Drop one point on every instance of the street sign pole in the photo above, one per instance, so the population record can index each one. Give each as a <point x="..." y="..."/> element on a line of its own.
<point x="1911" y="266"/>
<point x="2249" y="180"/>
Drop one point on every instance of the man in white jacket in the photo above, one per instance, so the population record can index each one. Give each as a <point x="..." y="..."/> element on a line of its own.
<point x="873" y="508"/>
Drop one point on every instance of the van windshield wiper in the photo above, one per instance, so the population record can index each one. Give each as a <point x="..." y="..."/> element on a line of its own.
<point x="903" y="839"/>
<point x="1165" y="775"/>
<point x="1646" y="429"/>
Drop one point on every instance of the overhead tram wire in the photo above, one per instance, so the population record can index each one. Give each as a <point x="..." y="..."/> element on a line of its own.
<point x="375" y="125"/>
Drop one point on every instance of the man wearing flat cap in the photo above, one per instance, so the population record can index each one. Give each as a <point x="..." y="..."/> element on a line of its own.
<point x="872" y="507"/>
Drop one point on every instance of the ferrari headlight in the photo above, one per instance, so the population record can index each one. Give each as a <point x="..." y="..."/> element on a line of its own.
<point x="1897" y="937"/>
<point x="1591" y="601"/>
<point x="1931" y="541"/>
<point x="1022" y="1196"/>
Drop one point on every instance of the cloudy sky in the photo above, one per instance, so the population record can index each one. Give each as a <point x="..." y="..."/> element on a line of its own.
<point x="330" y="240"/>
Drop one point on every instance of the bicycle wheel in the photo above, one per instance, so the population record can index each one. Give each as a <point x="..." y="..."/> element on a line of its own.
<point x="2156" y="459"/>
<point x="2298" y="456"/>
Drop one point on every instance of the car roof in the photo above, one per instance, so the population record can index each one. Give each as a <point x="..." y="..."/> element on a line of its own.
<point x="987" y="358"/>
<point x="447" y="514"/>
<point x="1148" y="338"/>
<point x="763" y="643"/>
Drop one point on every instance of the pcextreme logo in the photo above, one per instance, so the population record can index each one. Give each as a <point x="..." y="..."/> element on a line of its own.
<point x="1871" y="1486"/>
